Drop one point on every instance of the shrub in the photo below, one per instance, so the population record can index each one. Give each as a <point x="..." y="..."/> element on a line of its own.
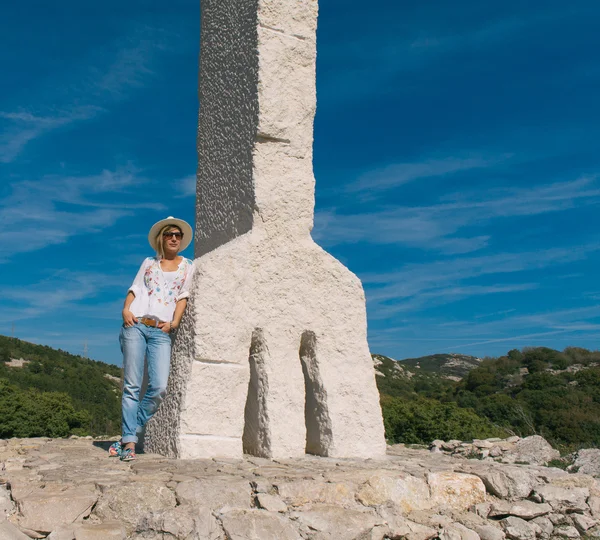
<point x="420" y="420"/>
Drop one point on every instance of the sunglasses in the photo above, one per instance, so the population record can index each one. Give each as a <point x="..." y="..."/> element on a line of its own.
<point x="176" y="234"/>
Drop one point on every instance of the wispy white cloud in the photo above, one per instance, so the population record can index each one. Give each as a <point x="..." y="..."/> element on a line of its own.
<point x="24" y="127"/>
<point x="435" y="227"/>
<point x="49" y="211"/>
<point x="398" y="174"/>
<point x="131" y="67"/>
<point x="186" y="186"/>
<point x="88" y="304"/>
<point x="59" y="292"/>
<point x="573" y="326"/>
<point x="82" y="93"/>
<point x="416" y="287"/>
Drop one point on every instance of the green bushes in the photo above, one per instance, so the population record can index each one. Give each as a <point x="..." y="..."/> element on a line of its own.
<point x="30" y="413"/>
<point x="421" y="420"/>
<point x="56" y="393"/>
<point x="556" y="396"/>
<point x="552" y="397"/>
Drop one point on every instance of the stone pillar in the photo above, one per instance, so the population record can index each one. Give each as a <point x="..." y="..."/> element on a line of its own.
<point x="271" y="357"/>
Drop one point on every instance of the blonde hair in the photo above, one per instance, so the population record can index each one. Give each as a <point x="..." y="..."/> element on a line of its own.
<point x="160" y="250"/>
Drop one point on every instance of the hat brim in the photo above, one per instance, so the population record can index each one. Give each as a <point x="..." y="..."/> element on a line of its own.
<point x="188" y="233"/>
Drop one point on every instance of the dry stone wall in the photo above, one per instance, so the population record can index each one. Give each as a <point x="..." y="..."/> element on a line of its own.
<point x="71" y="490"/>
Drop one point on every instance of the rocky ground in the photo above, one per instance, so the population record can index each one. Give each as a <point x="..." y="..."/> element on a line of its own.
<point x="70" y="489"/>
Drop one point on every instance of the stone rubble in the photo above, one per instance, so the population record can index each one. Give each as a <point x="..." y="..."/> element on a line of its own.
<point x="68" y="489"/>
<point x="533" y="450"/>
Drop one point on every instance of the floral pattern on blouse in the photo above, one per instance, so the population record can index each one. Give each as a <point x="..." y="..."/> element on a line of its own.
<point x="157" y="292"/>
<point x="165" y="291"/>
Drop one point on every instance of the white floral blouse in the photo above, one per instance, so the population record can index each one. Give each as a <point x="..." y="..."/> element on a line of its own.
<point x="156" y="291"/>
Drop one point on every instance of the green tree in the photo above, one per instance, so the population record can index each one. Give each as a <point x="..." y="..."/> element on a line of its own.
<point x="419" y="421"/>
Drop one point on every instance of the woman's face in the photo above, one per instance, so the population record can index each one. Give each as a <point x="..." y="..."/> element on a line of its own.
<point x="172" y="240"/>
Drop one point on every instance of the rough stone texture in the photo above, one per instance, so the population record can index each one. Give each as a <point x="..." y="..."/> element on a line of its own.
<point x="7" y="507"/>
<point x="180" y="523"/>
<point x="563" y="499"/>
<point x="399" y="527"/>
<point x="405" y="491"/>
<point x="50" y="506"/>
<point x="456" y="531"/>
<point x="518" y="529"/>
<point x="566" y="531"/>
<point x="544" y="524"/>
<point x="271" y="357"/>
<point x="587" y="461"/>
<point x="220" y="491"/>
<point x="522" y="509"/>
<point x="583" y="523"/>
<point x="507" y="482"/>
<point x="9" y="532"/>
<point x="410" y="494"/>
<point x="257" y="525"/>
<point x="109" y="530"/>
<point x="305" y="492"/>
<point x="594" y="504"/>
<point x="489" y="532"/>
<point x="271" y="503"/>
<point x="455" y="490"/>
<point x="559" y="519"/>
<point x="130" y="501"/>
<point x="533" y="450"/>
<point x="335" y="522"/>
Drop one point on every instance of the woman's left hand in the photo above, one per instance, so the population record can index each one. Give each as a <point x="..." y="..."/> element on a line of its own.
<point x="165" y="327"/>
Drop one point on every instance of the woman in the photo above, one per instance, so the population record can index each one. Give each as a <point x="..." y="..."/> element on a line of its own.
<point x="153" y="309"/>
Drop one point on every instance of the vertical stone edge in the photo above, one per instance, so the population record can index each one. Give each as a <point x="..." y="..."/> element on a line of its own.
<point x="316" y="409"/>
<point x="163" y="429"/>
<point x="227" y="121"/>
<point x="256" y="436"/>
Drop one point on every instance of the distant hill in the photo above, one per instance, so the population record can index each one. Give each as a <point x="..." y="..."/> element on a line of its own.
<point x="417" y="400"/>
<point x="451" y="365"/>
<point x="398" y="379"/>
<point x="555" y="394"/>
<point x="424" y="375"/>
<point x="534" y="391"/>
<point x="49" y="392"/>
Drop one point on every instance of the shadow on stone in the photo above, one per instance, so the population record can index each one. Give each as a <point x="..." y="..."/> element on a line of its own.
<point x="318" y="422"/>
<point x="105" y="445"/>
<point x="257" y="437"/>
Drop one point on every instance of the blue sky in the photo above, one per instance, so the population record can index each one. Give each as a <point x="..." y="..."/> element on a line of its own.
<point x="456" y="157"/>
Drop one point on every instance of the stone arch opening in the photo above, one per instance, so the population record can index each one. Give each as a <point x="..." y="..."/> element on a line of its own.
<point x="256" y="439"/>
<point x="316" y="412"/>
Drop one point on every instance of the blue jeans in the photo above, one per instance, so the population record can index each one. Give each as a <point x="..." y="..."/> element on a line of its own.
<point x="139" y="342"/>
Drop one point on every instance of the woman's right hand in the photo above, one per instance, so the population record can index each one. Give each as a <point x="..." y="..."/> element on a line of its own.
<point x="129" y="318"/>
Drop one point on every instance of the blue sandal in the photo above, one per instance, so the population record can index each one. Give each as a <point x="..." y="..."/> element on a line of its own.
<point x="115" y="449"/>
<point x="128" y="454"/>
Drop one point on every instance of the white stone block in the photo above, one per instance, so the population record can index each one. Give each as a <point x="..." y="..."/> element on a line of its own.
<point x="215" y="400"/>
<point x="209" y="446"/>
<point x="297" y="19"/>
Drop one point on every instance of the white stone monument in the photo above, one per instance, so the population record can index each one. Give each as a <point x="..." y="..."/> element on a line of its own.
<point x="272" y="357"/>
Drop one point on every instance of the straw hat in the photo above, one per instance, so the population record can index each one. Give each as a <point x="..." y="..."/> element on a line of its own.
<point x="188" y="234"/>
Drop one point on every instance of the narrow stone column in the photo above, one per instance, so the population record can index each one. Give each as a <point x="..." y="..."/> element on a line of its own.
<point x="272" y="356"/>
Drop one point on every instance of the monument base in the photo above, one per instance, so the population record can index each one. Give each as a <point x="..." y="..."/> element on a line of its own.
<point x="271" y="358"/>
